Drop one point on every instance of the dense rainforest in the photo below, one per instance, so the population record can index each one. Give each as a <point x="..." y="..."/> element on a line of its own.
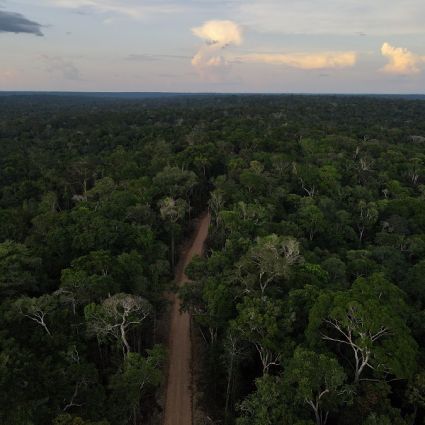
<point x="308" y="306"/>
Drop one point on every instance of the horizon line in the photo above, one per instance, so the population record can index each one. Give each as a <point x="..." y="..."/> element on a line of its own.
<point x="210" y="93"/>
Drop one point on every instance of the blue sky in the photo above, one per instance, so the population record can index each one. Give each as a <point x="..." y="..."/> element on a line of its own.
<point x="337" y="46"/>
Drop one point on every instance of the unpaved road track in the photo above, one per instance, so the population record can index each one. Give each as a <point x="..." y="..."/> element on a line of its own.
<point x="178" y="405"/>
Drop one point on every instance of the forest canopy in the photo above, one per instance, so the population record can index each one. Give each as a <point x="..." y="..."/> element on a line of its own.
<point x="309" y="305"/>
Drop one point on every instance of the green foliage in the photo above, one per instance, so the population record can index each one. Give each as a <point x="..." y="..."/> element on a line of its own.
<point x="317" y="205"/>
<point x="260" y="322"/>
<point x="140" y="374"/>
<point x="265" y="406"/>
<point x="318" y="381"/>
<point x="369" y="321"/>
<point x="67" y="419"/>
<point x="310" y="218"/>
<point x="18" y="269"/>
<point x="268" y="262"/>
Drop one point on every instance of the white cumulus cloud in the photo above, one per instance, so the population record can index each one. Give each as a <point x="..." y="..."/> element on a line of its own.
<point x="217" y="35"/>
<point x="401" y="60"/>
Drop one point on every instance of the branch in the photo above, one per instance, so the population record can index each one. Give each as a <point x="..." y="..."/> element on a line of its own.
<point x="323" y="393"/>
<point x="71" y="403"/>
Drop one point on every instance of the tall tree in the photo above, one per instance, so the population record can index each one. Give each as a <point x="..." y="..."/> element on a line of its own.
<point x="367" y="321"/>
<point x="172" y="211"/>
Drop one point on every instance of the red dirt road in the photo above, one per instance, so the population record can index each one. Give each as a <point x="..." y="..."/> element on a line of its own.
<point x="178" y="405"/>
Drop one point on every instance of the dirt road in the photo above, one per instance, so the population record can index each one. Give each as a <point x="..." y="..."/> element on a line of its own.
<point x="178" y="405"/>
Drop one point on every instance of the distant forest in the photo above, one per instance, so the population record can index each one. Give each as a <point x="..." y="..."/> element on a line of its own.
<point x="309" y="305"/>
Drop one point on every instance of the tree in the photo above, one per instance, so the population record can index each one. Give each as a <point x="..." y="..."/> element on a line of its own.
<point x="270" y="259"/>
<point x="210" y="303"/>
<point x="415" y="169"/>
<point x="216" y="204"/>
<point x="244" y="218"/>
<point x="367" y="216"/>
<point x="233" y="352"/>
<point x="37" y="309"/>
<point x="416" y="393"/>
<point x="81" y="174"/>
<point x="116" y="316"/>
<point x="336" y="269"/>
<point x="88" y="280"/>
<point x="308" y="175"/>
<point x="329" y="179"/>
<point x="102" y="191"/>
<point x="81" y="391"/>
<point x="310" y="217"/>
<point x="121" y="164"/>
<point x="268" y="405"/>
<point x="413" y="284"/>
<point x="360" y="263"/>
<point x="369" y="321"/>
<point x="259" y="322"/>
<point x="318" y="381"/>
<point x="172" y="211"/>
<point x="173" y="182"/>
<point x="18" y="269"/>
<point x="67" y="419"/>
<point x="138" y="374"/>
<point x="254" y="178"/>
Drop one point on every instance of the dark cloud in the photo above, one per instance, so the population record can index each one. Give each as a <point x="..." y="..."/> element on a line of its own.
<point x="17" y="23"/>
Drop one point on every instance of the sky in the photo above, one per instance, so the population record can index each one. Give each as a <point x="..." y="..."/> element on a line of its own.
<point x="267" y="46"/>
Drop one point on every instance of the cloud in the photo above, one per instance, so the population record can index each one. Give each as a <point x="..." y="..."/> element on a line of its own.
<point x="212" y="64"/>
<point x="304" y="60"/>
<point x="16" y="23"/>
<point x="153" y="57"/>
<point x="217" y="35"/>
<point x="131" y="9"/>
<point x="401" y="60"/>
<point x="65" y="67"/>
